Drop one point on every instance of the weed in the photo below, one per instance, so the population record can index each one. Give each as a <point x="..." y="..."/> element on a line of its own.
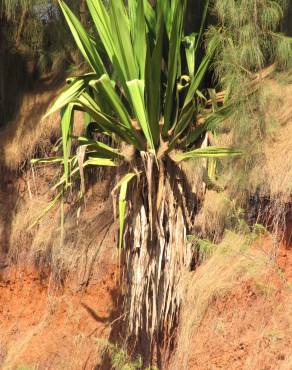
<point x="275" y="335"/>
<point x="120" y="358"/>
<point x="27" y="367"/>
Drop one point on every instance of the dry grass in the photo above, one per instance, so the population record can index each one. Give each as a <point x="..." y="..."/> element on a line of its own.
<point x="232" y="263"/>
<point x="274" y="173"/>
<point x="214" y="216"/>
<point x="28" y="134"/>
<point x="83" y="235"/>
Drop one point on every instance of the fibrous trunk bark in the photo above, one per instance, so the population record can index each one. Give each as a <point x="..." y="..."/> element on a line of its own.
<point x="157" y="253"/>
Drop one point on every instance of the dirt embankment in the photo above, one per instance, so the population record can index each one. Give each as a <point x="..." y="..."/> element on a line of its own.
<point x="45" y="328"/>
<point x="60" y="301"/>
<point x="244" y="323"/>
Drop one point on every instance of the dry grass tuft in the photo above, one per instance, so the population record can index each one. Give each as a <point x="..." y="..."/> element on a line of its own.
<point x="214" y="216"/>
<point x="232" y="263"/>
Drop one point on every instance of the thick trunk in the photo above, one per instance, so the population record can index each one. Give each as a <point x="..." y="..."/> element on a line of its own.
<point x="157" y="252"/>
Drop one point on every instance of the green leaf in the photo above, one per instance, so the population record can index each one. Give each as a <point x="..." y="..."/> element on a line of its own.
<point x="99" y="146"/>
<point x="203" y="20"/>
<point x="173" y="63"/>
<point x="84" y="42"/>
<point x="136" y="90"/>
<point x="153" y="84"/>
<point x="120" y="30"/>
<point x="123" y="184"/>
<point x="209" y="152"/>
<point x="138" y="31"/>
<point x="66" y="127"/>
<point x="212" y="120"/>
<point x="95" y="161"/>
<point x="150" y="16"/>
<point x="102" y="23"/>
<point x="201" y="72"/>
<point x="108" y="123"/>
<point x="46" y="210"/>
<point x="71" y="92"/>
<point x="47" y="160"/>
<point x="105" y="85"/>
<point x="189" y="44"/>
<point x="183" y="123"/>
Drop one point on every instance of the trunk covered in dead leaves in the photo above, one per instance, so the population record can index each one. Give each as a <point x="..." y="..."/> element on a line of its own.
<point x="161" y="208"/>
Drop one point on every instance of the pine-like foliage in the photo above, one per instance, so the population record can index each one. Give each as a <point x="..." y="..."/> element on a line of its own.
<point x="249" y="40"/>
<point x="36" y="28"/>
<point x="250" y="48"/>
<point x="251" y="57"/>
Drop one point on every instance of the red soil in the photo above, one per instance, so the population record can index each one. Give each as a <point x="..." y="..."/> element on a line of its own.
<point x="51" y="329"/>
<point x="251" y="326"/>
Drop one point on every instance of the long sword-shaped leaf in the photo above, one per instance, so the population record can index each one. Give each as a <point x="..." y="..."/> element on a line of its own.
<point x="47" y="160"/>
<point x="102" y="23"/>
<point x="122" y="40"/>
<point x="94" y="161"/>
<point x="209" y="152"/>
<point x="203" y="20"/>
<point x="200" y="72"/>
<point x="136" y="90"/>
<point x="153" y="83"/>
<point x="46" y="210"/>
<point x="150" y="17"/>
<point x="99" y="147"/>
<point x="184" y="122"/>
<point x="71" y="92"/>
<point x="168" y="8"/>
<point x="66" y="127"/>
<point x="173" y="63"/>
<point x="212" y="120"/>
<point x="105" y="85"/>
<point x="138" y="32"/>
<point x="189" y="44"/>
<point x="82" y="39"/>
<point x="123" y="185"/>
<point x="107" y="123"/>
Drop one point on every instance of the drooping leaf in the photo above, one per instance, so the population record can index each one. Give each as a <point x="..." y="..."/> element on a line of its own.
<point x="70" y="93"/>
<point x="123" y="185"/>
<point x="99" y="147"/>
<point x="209" y="152"/>
<point x="189" y="44"/>
<point x="95" y="161"/>
<point x="211" y="122"/>
<point x="46" y="210"/>
<point x="109" y="124"/>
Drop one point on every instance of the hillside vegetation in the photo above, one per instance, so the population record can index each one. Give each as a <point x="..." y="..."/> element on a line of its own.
<point x="146" y="216"/>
